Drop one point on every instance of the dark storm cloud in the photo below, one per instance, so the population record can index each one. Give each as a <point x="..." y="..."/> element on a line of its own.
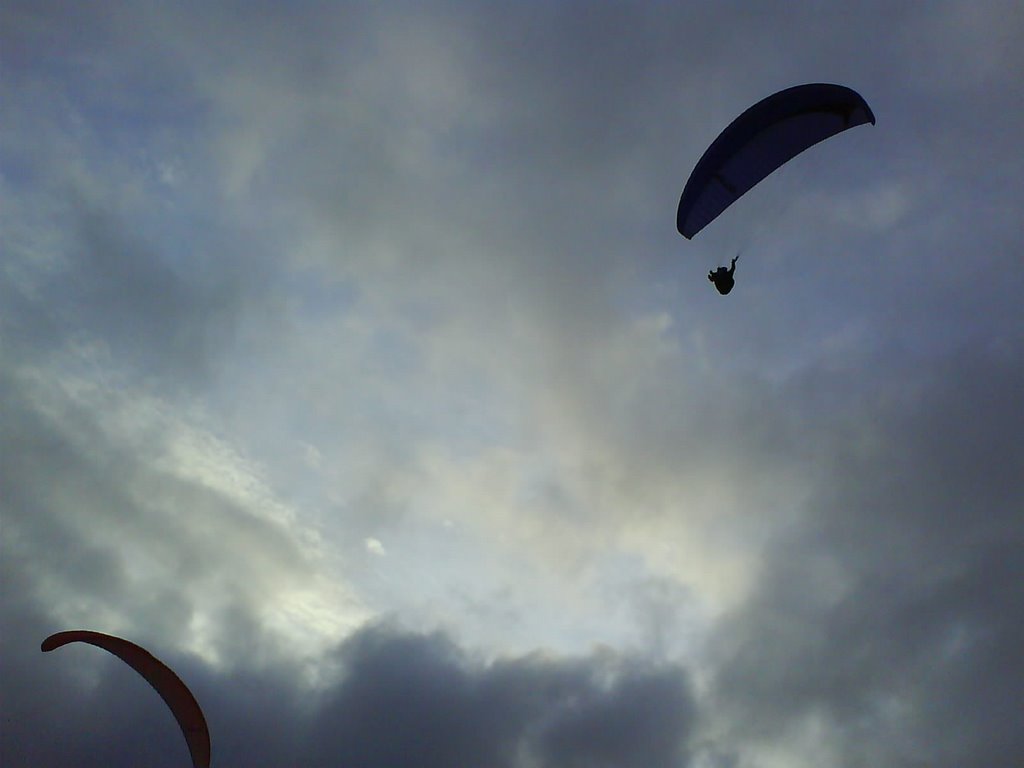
<point x="895" y="610"/>
<point x="398" y="699"/>
<point x="417" y="698"/>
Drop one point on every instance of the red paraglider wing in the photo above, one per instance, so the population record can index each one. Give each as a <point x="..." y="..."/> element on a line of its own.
<point x="174" y="692"/>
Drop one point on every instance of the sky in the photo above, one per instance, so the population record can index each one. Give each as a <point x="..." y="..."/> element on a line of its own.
<point x="351" y="363"/>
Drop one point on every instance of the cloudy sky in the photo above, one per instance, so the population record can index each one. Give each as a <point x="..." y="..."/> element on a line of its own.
<point x="351" y="363"/>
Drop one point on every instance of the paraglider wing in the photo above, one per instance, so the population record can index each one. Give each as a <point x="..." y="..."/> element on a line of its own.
<point x="765" y="137"/>
<point x="174" y="692"/>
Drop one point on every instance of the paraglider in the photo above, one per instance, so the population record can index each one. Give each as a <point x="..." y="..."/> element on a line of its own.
<point x="723" y="278"/>
<point x="174" y="692"/>
<point x="760" y="141"/>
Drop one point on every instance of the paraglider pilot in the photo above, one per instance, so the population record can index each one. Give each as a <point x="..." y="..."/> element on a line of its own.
<point x="722" y="277"/>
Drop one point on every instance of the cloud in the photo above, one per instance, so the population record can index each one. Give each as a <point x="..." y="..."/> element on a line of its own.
<point x="127" y="515"/>
<point x="397" y="697"/>
<point x="416" y="282"/>
<point x="408" y="697"/>
<point x="885" y="614"/>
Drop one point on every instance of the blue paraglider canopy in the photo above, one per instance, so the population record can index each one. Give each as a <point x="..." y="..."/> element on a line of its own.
<point x="762" y="139"/>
